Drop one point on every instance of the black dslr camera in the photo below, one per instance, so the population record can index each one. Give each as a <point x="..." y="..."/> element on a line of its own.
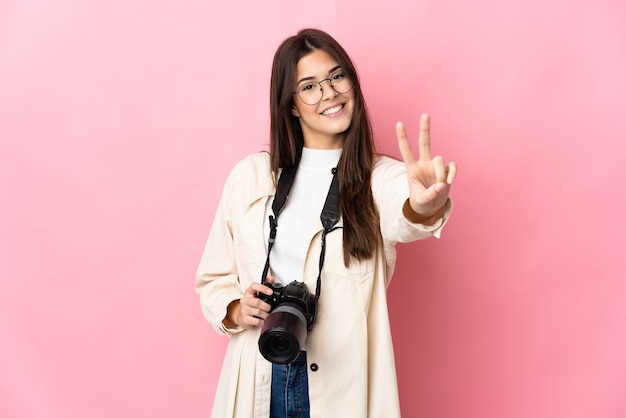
<point x="291" y="316"/>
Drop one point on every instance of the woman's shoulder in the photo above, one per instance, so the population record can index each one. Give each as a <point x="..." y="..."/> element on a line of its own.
<point x="385" y="164"/>
<point x="383" y="160"/>
<point x="256" y="164"/>
<point x="252" y="175"/>
<point x="254" y="160"/>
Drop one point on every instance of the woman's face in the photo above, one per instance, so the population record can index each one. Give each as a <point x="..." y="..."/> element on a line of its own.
<point x="323" y="124"/>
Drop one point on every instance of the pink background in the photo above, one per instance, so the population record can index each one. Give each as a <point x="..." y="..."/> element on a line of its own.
<point x="120" y="120"/>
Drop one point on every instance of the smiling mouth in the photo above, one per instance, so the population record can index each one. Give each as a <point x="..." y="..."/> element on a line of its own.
<point x="332" y="110"/>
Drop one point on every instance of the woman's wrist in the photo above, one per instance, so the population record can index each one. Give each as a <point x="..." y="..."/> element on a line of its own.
<point x="232" y="312"/>
<point x="419" y="218"/>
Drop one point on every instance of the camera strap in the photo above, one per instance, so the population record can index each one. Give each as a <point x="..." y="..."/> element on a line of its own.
<point x="329" y="217"/>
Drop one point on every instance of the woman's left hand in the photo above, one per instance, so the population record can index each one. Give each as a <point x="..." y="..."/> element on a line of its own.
<point x="429" y="178"/>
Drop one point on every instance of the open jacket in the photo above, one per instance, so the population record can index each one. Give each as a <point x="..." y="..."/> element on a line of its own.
<point x="350" y="356"/>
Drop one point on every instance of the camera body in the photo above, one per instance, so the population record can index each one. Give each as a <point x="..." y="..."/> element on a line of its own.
<point x="292" y="314"/>
<point x="296" y="293"/>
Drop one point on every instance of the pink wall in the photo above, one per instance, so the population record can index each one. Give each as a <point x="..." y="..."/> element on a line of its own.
<point x="119" y="121"/>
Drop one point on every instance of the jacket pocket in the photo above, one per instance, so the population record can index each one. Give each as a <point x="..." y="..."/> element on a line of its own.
<point x="357" y="271"/>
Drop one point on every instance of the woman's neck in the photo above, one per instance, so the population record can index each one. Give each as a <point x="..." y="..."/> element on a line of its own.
<point x="324" y="142"/>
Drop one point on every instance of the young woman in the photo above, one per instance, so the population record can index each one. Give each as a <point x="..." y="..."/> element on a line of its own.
<point x="320" y="131"/>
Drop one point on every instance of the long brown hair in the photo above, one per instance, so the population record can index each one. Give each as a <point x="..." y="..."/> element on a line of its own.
<point x="361" y="227"/>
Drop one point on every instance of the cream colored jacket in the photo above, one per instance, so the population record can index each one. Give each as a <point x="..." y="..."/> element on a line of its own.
<point x="349" y="350"/>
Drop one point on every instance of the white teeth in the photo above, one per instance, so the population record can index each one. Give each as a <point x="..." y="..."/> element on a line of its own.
<point x="332" y="110"/>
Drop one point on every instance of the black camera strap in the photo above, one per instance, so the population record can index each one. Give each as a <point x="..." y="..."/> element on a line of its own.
<point x="285" y="181"/>
<point x="329" y="217"/>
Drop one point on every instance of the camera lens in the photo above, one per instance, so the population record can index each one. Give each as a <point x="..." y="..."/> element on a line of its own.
<point x="281" y="344"/>
<point x="279" y="347"/>
<point x="283" y="334"/>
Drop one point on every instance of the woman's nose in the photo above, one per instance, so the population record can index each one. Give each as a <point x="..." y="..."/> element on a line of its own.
<point x="328" y="91"/>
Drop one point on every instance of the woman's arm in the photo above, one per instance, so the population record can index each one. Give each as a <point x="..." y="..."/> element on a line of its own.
<point x="226" y="303"/>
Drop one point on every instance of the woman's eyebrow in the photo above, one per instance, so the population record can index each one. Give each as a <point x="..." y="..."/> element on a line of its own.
<point x="332" y="70"/>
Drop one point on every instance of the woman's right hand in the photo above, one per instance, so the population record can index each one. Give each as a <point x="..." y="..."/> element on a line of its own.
<point x="249" y="311"/>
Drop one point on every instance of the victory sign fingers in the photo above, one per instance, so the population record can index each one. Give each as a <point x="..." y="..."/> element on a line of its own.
<point x="429" y="178"/>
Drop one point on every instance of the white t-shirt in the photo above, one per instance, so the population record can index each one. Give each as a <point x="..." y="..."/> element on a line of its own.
<point x="300" y="217"/>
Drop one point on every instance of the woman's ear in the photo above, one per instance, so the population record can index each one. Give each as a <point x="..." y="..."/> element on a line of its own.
<point x="294" y="111"/>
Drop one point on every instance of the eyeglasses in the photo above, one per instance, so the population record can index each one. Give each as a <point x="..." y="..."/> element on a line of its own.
<point x="311" y="92"/>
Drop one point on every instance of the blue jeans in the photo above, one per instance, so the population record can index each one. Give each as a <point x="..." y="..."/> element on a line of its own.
<point x="290" y="389"/>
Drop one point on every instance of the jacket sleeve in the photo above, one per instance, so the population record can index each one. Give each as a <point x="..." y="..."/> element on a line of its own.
<point x="217" y="279"/>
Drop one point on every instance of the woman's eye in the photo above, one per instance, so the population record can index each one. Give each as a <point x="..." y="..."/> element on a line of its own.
<point x="307" y="87"/>
<point x="338" y="77"/>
